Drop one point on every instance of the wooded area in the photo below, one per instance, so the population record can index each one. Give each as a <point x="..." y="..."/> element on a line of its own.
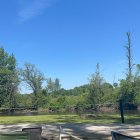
<point x="92" y="95"/>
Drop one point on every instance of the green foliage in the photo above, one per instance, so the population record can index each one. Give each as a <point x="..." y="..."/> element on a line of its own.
<point x="129" y="88"/>
<point x="24" y="100"/>
<point x="96" y="91"/>
<point x="53" y="86"/>
<point x="8" y="78"/>
<point x="34" y="79"/>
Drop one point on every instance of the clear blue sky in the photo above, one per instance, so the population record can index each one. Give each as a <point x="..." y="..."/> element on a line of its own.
<point x="67" y="38"/>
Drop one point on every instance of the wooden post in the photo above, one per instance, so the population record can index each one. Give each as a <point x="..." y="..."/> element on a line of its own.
<point x="121" y="111"/>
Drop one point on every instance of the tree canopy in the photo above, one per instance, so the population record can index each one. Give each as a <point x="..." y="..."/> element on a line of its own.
<point x="9" y="79"/>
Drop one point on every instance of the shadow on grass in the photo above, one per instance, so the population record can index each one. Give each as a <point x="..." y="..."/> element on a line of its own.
<point x="132" y="119"/>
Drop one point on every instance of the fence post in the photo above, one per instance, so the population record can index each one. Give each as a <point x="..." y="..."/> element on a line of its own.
<point x="121" y="111"/>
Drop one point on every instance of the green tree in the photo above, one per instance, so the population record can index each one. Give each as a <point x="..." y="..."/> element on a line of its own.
<point x="57" y="84"/>
<point x="128" y="85"/>
<point x="34" y="79"/>
<point x="53" y="86"/>
<point x="8" y="78"/>
<point x="24" y="100"/>
<point x="50" y="85"/>
<point x="96" y="81"/>
<point x="107" y="93"/>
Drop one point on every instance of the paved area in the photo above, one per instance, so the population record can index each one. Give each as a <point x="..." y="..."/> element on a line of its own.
<point x="86" y="131"/>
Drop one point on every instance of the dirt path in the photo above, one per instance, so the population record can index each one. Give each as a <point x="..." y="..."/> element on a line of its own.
<point x="89" y="131"/>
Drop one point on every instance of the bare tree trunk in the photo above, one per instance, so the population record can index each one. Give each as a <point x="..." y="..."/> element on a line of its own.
<point x="129" y="56"/>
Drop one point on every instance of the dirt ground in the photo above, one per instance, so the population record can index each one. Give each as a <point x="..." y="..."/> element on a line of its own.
<point x="86" y="131"/>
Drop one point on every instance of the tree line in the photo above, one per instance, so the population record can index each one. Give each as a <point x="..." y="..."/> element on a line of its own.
<point x="96" y="92"/>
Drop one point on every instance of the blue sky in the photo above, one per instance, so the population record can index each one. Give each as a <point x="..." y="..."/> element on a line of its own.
<point x="67" y="38"/>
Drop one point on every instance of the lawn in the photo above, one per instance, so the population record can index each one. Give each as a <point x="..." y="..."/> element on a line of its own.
<point x="49" y="119"/>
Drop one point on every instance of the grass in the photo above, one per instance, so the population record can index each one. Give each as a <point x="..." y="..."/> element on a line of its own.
<point x="49" y="119"/>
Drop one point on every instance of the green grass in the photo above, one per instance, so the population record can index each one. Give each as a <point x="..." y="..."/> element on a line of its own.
<point x="48" y="119"/>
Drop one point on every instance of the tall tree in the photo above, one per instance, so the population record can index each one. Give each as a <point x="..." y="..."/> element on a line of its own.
<point x="34" y="79"/>
<point x="96" y="81"/>
<point x="8" y="78"/>
<point x="57" y="84"/>
<point x="127" y="87"/>
<point x="50" y="85"/>
<point x="53" y="85"/>
<point x="129" y="55"/>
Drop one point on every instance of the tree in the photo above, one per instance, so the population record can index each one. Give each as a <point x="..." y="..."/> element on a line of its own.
<point x="129" y="56"/>
<point x="50" y="85"/>
<point x="34" y="79"/>
<point x="57" y="84"/>
<point x="127" y="86"/>
<point x="96" y="81"/>
<point x="9" y="79"/>
<point x="53" y="86"/>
